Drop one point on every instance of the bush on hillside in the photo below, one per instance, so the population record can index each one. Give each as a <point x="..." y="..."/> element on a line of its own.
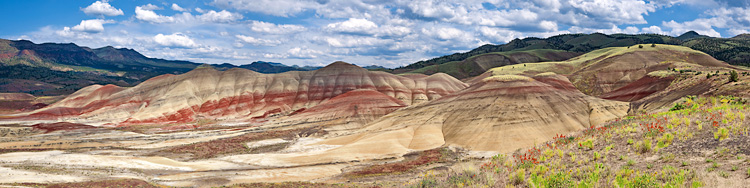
<point x="677" y="106"/>
<point x="733" y="77"/>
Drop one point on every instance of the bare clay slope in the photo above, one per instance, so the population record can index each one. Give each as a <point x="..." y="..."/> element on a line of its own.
<point x="350" y="110"/>
<point x="236" y="94"/>
<point x="619" y="73"/>
<point x="502" y="114"/>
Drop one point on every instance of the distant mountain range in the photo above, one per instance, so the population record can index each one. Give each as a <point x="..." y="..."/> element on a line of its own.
<point x="735" y="51"/>
<point x="59" y="69"/>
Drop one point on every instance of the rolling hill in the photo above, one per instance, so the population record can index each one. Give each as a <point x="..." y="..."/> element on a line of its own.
<point x="237" y="94"/>
<point x="602" y="71"/>
<point x="731" y="50"/>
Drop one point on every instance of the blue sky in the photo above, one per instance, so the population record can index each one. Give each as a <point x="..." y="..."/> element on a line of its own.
<point x="389" y="33"/>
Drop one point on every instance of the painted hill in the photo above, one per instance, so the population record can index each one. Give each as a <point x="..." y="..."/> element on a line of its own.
<point x="605" y="72"/>
<point x="350" y="110"/>
<point x="237" y="94"/>
<point x="499" y="114"/>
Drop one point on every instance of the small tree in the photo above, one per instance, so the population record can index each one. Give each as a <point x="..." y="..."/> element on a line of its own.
<point x="653" y="45"/>
<point x="733" y="77"/>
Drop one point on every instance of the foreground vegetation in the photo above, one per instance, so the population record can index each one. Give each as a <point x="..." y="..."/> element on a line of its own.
<point x="699" y="142"/>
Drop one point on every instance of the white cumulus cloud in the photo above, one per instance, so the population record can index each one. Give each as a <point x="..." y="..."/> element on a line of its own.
<point x="284" y="8"/>
<point x="221" y="16"/>
<point x="303" y="53"/>
<point x="91" y="26"/>
<point x="176" y="7"/>
<point x="258" y="42"/>
<point x="653" y="29"/>
<point x="150" y="7"/>
<point x="498" y="34"/>
<point x="446" y="33"/>
<point x="271" y="28"/>
<point x="100" y="8"/>
<point x="175" y="40"/>
<point x="144" y="14"/>
<point x="702" y="26"/>
<point x="354" y="25"/>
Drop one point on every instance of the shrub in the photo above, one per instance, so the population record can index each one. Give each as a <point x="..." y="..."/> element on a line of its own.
<point x="428" y="182"/>
<point x="589" y="143"/>
<point x="653" y="45"/>
<point x="733" y="76"/>
<point x="597" y="156"/>
<point x="518" y="178"/>
<point x="677" y="106"/>
<point x="465" y="178"/>
<point x="669" y="157"/>
<point x="697" y="184"/>
<point x="666" y="140"/>
<point x="560" y="180"/>
<point x="640" y="46"/>
<point x="643" y="146"/>
<point x="721" y="134"/>
<point x="644" y="180"/>
<point x="724" y="174"/>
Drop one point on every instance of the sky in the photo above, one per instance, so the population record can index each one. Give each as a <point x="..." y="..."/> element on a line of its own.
<point x="388" y="33"/>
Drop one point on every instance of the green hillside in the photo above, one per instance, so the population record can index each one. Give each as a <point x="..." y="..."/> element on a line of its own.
<point x="735" y="51"/>
<point x="479" y="64"/>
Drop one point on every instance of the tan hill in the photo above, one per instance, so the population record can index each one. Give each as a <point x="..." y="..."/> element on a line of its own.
<point x="609" y="72"/>
<point x="236" y="94"/>
<point x="500" y="114"/>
